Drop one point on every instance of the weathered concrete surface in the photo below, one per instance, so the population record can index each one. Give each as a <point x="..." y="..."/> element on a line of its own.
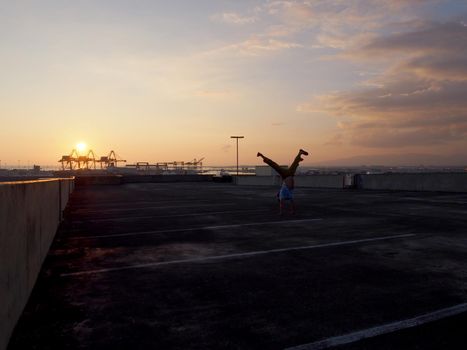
<point x="252" y="180"/>
<point x="166" y="178"/>
<point x="88" y="180"/>
<point x="22" y="178"/>
<point x="30" y="212"/>
<point x="320" y="181"/>
<point x="67" y="186"/>
<point x="447" y="182"/>
<point x="317" y="181"/>
<point x="212" y="266"/>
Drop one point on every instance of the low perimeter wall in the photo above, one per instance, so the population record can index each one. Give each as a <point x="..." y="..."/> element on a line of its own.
<point x="319" y="181"/>
<point x="86" y="180"/>
<point x="444" y="182"/>
<point x="166" y="178"/>
<point x="30" y="212"/>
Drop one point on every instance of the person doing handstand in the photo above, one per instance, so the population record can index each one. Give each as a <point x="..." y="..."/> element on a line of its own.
<point x="287" y="175"/>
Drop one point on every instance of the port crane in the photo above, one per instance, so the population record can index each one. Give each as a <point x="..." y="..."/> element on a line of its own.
<point x="196" y="163"/>
<point x="75" y="161"/>
<point x="110" y="161"/>
<point x="70" y="161"/>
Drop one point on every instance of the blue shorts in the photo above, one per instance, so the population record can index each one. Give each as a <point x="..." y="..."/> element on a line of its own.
<point x="285" y="193"/>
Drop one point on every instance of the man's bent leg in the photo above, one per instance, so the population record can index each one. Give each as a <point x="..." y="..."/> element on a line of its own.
<point x="293" y="167"/>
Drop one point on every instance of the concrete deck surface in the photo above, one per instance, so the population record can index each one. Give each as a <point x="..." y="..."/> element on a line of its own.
<point x="212" y="266"/>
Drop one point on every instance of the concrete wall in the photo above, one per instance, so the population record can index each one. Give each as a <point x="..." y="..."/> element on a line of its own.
<point x="21" y="178"/>
<point x="266" y="170"/>
<point x="30" y="212"/>
<point x="166" y="178"/>
<point x="319" y="181"/>
<point x="444" y="182"/>
<point x="256" y="180"/>
<point x="447" y="182"/>
<point x="88" y="180"/>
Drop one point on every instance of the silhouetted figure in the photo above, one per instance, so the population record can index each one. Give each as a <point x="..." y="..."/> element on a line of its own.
<point x="287" y="175"/>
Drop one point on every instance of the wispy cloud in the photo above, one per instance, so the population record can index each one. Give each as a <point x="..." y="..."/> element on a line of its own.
<point x="430" y="38"/>
<point x="418" y="100"/>
<point x="233" y="18"/>
<point x="226" y="148"/>
<point x="254" y="46"/>
<point x="210" y="93"/>
<point x="335" y="140"/>
<point x="335" y="24"/>
<point x="278" y="124"/>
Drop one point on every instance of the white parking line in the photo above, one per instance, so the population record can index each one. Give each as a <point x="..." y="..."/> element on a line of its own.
<point x="218" y="227"/>
<point x="132" y="218"/>
<point x="435" y="201"/>
<point x="383" y="329"/>
<point x="238" y="255"/>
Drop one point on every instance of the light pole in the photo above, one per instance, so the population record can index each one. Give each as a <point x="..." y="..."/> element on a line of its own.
<point x="237" y="137"/>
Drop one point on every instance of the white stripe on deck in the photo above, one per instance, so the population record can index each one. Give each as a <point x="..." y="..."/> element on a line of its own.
<point x="435" y="201"/>
<point x="218" y="227"/>
<point x="383" y="329"/>
<point x="237" y="255"/>
<point x="171" y="215"/>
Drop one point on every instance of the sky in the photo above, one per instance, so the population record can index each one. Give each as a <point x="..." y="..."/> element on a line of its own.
<point x="383" y="82"/>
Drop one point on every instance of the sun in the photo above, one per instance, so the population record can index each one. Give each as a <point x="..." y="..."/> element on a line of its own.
<point x="80" y="147"/>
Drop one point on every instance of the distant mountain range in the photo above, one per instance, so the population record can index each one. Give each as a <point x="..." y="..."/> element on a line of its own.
<point x="399" y="160"/>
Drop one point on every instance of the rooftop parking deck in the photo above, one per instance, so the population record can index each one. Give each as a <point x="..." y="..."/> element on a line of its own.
<point x="213" y="266"/>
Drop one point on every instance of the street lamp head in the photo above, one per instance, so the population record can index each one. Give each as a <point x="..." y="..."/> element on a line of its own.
<point x="237" y="137"/>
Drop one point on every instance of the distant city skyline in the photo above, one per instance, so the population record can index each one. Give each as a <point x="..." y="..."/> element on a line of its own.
<point x="380" y="81"/>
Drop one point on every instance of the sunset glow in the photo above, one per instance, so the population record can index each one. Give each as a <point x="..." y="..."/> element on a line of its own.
<point x="352" y="81"/>
<point x="81" y="147"/>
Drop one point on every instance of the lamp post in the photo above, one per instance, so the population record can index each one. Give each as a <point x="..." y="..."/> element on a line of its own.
<point x="237" y="137"/>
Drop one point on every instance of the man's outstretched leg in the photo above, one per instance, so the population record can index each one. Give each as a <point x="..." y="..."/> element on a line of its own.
<point x="293" y="167"/>
<point x="281" y="171"/>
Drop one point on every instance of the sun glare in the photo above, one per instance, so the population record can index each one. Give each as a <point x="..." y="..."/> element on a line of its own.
<point x="81" y="147"/>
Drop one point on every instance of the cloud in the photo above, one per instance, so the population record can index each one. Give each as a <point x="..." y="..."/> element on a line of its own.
<point x="335" y="24"/>
<point x="279" y="30"/>
<point x="401" y="137"/>
<point x="254" y="46"/>
<point x="449" y="66"/>
<point x="226" y="148"/>
<point x="209" y="93"/>
<point x="419" y="100"/>
<point x="336" y="40"/>
<point x="405" y="113"/>
<point x="337" y="21"/>
<point x="300" y="12"/>
<point x="335" y="140"/>
<point x="233" y="18"/>
<point x="434" y="38"/>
